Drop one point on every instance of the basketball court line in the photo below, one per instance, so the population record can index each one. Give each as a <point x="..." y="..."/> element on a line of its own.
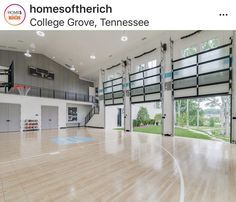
<point x="182" y="189"/>
<point x="181" y="195"/>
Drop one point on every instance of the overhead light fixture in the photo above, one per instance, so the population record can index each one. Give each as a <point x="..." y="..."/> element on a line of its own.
<point x="92" y="57"/>
<point x="53" y="57"/>
<point x="124" y="38"/>
<point x="40" y="33"/>
<point x="72" y="68"/>
<point x="27" y="54"/>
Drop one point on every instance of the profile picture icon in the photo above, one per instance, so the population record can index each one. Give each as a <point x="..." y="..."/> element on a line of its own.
<point x="14" y="14"/>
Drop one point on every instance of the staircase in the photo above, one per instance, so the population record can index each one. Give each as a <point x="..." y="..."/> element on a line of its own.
<point x="94" y="110"/>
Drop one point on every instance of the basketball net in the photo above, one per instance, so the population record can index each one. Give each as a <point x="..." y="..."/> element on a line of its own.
<point x="22" y="90"/>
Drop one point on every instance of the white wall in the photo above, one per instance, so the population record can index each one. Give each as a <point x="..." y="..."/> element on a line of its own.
<point x="31" y="107"/>
<point x="82" y="111"/>
<point x="91" y="91"/>
<point x="96" y="121"/>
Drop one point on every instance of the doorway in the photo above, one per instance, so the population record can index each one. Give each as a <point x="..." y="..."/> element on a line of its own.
<point x="147" y="117"/>
<point x="204" y="118"/>
<point x="114" y="117"/>
<point x="119" y="119"/>
<point x="49" y="117"/>
<point x="10" y="117"/>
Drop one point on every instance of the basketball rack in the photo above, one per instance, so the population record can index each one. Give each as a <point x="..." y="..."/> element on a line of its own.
<point x="21" y="89"/>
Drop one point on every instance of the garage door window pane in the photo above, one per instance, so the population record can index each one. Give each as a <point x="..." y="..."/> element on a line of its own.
<point x="214" y="78"/>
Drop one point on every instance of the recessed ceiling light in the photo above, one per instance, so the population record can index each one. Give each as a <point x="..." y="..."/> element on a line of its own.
<point x="92" y="57"/>
<point x="27" y="54"/>
<point x="72" y="68"/>
<point x="124" y="38"/>
<point x="40" y="33"/>
<point x="53" y="57"/>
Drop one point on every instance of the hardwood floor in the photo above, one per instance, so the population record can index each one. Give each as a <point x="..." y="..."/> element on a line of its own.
<point x="114" y="166"/>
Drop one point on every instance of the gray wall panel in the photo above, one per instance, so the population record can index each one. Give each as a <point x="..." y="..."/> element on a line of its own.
<point x="65" y="80"/>
<point x="10" y="117"/>
<point x="4" y="58"/>
<point x="49" y="117"/>
<point x="4" y="116"/>
<point x="14" y="116"/>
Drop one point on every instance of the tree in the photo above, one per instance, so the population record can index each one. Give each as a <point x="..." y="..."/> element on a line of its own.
<point x="223" y="102"/>
<point x="143" y="115"/>
<point x="189" y="113"/>
<point x="157" y="119"/>
<point x="211" y="122"/>
<point x="181" y="120"/>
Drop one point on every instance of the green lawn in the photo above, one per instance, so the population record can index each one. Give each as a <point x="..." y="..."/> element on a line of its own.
<point x="181" y="132"/>
<point x="213" y="135"/>
<point x="148" y="129"/>
<point x="188" y="133"/>
<point x="178" y="132"/>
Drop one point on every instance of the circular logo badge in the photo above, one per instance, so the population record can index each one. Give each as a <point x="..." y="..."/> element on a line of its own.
<point x="14" y="14"/>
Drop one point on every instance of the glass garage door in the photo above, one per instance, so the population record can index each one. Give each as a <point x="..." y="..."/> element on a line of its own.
<point x="204" y="73"/>
<point x="145" y="85"/>
<point x="113" y="92"/>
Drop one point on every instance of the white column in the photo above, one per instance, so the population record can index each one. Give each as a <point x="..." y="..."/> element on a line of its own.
<point x="101" y="98"/>
<point x="127" y="103"/>
<point x="167" y="100"/>
<point x="234" y="90"/>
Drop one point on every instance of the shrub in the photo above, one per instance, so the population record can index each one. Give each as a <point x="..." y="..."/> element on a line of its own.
<point x="157" y="117"/>
<point x="152" y="122"/>
<point x="136" y="123"/>
<point x="145" y="122"/>
<point x="213" y="121"/>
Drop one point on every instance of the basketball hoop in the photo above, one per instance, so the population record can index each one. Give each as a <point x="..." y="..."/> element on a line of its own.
<point x="22" y="89"/>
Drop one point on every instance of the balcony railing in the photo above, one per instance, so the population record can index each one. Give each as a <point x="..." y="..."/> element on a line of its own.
<point x="56" y="94"/>
<point x="94" y="110"/>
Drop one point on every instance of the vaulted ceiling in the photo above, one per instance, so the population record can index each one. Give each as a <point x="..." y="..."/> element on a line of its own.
<point x="76" y="47"/>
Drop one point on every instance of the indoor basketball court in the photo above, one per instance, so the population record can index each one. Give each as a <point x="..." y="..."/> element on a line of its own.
<point x="131" y="116"/>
